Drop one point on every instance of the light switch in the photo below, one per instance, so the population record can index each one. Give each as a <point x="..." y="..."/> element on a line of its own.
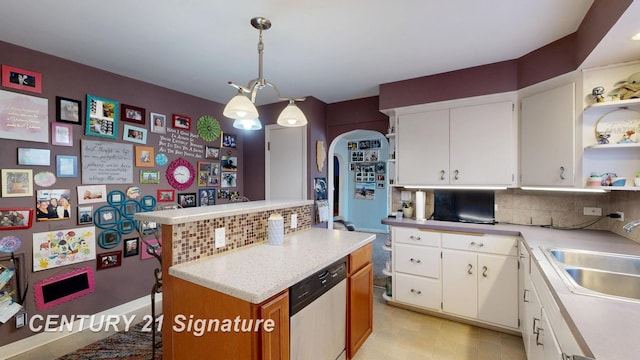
<point x="219" y="237"/>
<point x="294" y="221"/>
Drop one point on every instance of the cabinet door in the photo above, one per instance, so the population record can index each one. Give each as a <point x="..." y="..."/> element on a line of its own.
<point x="417" y="290"/>
<point x="551" y="348"/>
<point x="360" y="319"/>
<point x="498" y="289"/>
<point x="533" y="338"/>
<point x="482" y="144"/>
<point x="547" y="137"/>
<point x="524" y="294"/>
<point x="275" y="344"/>
<point x="423" y="148"/>
<point x="417" y="260"/>
<point x="459" y="283"/>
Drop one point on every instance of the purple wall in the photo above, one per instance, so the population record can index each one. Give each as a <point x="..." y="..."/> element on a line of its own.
<point x="359" y="114"/>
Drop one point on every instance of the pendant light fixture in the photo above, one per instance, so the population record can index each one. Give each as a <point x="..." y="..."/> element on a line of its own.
<point x="242" y="106"/>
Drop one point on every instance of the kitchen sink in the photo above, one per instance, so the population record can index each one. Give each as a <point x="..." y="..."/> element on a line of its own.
<point x="610" y="283"/>
<point x="597" y="260"/>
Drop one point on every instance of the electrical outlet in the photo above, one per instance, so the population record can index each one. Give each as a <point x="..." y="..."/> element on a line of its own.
<point x="294" y="221"/>
<point x="595" y="211"/>
<point x="621" y="218"/>
<point x="219" y="234"/>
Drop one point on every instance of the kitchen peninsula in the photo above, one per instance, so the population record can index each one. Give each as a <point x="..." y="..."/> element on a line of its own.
<point x="248" y="279"/>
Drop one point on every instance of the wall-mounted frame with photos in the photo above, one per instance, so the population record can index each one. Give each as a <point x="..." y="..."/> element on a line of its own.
<point x="66" y="166"/>
<point x="34" y="157"/>
<point x="187" y="200"/>
<point x="102" y="117"/>
<point x="68" y="110"/>
<point x="132" y="114"/>
<point x="181" y="122"/>
<point x="85" y="215"/>
<point x="131" y="247"/>
<point x="17" y="182"/>
<point x="145" y="156"/>
<point x="158" y="123"/>
<point x="15" y="218"/>
<point x="109" y="260"/>
<point x="21" y="79"/>
<point x="228" y="141"/>
<point x="166" y="195"/>
<point x="61" y="134"/>
<point x="134" y="134"/>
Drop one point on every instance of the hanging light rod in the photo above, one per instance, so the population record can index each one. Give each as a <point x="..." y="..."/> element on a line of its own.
<point x="243" y="109"/>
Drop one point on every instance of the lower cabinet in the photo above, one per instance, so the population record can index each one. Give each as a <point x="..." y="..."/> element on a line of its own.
<point x="359" y="299"/>
<point x="275" y="344"/>
<point x="418" y="291"/>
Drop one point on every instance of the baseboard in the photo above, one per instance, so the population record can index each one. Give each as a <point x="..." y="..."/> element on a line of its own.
<point x="138" y="308"/>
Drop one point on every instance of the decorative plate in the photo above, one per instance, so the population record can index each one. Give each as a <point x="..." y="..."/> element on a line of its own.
<point x="180" y="174"/>
<point x="10" y="244"/>
<point x="620" y="126"/>
<point x="133" y="192"/>
<point x="44" y="178"/>
<point x="162" y="159"/>
<point x="208" y="128"/>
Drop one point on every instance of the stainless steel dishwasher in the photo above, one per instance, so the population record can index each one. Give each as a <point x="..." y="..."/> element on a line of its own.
<point x="318" y="311"/>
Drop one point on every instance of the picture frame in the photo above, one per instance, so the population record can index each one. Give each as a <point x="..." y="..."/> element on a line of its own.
<point x="228" y="141"/>
<point x="229" y="179"/>
<point x="187" y="200"/>
<point x="71" y="280"/>
<point x="149" y="177"/>
<point x="53" y="204"/>
<point x="229" y="163"/>
<point x="134" y="134"/>
<point x="34" y="157"/>
<point x="89" y="194"/>
<point x="145" y="156"/>
<point x="166" y="195"/>
<point x="148" y="203"/>
<point x="115" y="198"/>
<point x="21" y="79"/>
<point x="66" y="166"/>
<point x="68" y="110"/>
<point x="109" y="239"/>
<point x="158" y="123"/>
<point x="131" y="247"/>
<point x="109" y="260"/>
<point x="181" y="122"/>
<point x="85" y="215"/>
<point x="17" y="182"/>
<point x="16" y="218"/>
<point x="208" y="173"/>
<point x="146" y="245"/>
<point x="61" y="134"/>
<point x="102" y="117"/>
<point x="133" y="114"/>
<point x="211" y="153"/>
<point x="207" y="197"/>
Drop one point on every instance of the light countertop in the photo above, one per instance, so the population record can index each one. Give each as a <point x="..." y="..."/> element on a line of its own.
<point x="609" y="327"/>
<point x="255" y="273"/>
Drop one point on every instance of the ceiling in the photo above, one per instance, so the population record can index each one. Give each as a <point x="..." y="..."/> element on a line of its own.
<point x="331" y="50"/>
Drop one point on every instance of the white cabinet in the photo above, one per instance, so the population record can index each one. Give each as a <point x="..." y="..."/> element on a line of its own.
<point x="465" y="145"/>
<point x="547" y="137"/>
<point x="481" y="281"/>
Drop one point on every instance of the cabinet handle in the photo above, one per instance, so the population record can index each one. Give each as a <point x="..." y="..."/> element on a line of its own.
<point x="473" y="243"/>
<point x="413" y="237"/>
<point x="469" y="269"/>
<point x="524" y="296"/>
<point x="416" y="261"/>
<point x="455" y="174"/>
<point x="562" y="172"/>
<point x="417" y="292"/>
<point x="535" y="331"/>
<point x="484" y="271"/>
<point x="538" y="337"/>
<point x="442" y="174"/>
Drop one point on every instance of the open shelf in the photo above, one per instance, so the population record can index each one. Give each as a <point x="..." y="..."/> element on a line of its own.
<point x="613" y="146"/>
<point x="614" y="104"/>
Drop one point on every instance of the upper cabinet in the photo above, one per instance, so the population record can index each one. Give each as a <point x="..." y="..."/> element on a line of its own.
<point x="470" y="145"/>
<point x="547" y="137"/>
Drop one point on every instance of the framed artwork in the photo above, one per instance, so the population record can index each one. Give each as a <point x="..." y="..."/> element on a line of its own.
<point x="207" y="197"/>
<point x="166" y="195"/>
<point x="365" y="191"/>
<point x="181" y="122"/>
<point x="66" y="166"/>
<point x="229" y="163"/>
<point x="158" y="123"/>
<point x="229" y="179"/>
<point x="85" y="215"/>
<point x="51" y="248"/>
<point x="88" y="194"/>
<point x="352" y="145"/>
<point x="320" y="188"/>
<point x="21" y="79"/>
<point x="211" y="153"/>
<point x="224" y="194"/>
<point x="109" y="239"/>
<point x="134" y="134"/>
<point x="27" y="156"/>
<point x="53" y="205"/>
<point x="102" y="117"/>
<point x="68" y="110"/>
<point x="148" y="247"/>
<point x="109" y="260"/>
<point x="24" y="109"/>
<point x="148" y="203"/>
<point x="61" y="134"/>
<point x="131" y="247"/>
<point x="132" y="114"/>
<point x="17" y="182"/>
<point x="187" y="200"/>
<point x="145" y="156"/>
<point x="208" y="173"/>
<point x="133" y="192"/>
<point x="16" y="218"/>
<point x="228" y="141"/>
<point x="149" y="177"/>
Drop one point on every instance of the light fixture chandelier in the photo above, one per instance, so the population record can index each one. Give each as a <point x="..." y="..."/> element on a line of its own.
<point x="243" y="109"/>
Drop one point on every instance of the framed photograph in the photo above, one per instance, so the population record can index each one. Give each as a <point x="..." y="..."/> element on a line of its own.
<point x="229" y="179"/>
<point x="61" y="134"/>
<point x="85" y="215"/>
<point x="228" y="141"/>
<point x="166" y="195"/>
<point x="102" y="117"/>
<point x="88" y="194"/>
<point x="17" y="182"/>
<point x="149" y="177"/>
<point x="109" y="260"/>
<point x="16" y="218"/>
<point x="21" y="79"/>
<point x="211" y="153"/>
<point x="134" y="134"/>
<point x="148" y="247"/>
<point x="207" y="197"/>
<point x="53" y="205"/>
<point x="132" y="114"/>
<point x="224" y="194"/>
<point x="68" y="110"/>
<point x="131" y="247"/>
<point x="109" y="239"/>
<point x="352" y="145"/>
<point x="181" y="122"/>
<point x="27" y="156"/>
<point x="158" y="123"/>
<point x="66" y="166"/>
<point x="187" y="200"/>
<point x="229" y="163"/>
<point x="145" y="156"/>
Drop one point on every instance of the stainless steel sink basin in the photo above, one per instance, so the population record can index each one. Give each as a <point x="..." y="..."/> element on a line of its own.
<point x="610" y="283"/>
<point x="595" y="260"/>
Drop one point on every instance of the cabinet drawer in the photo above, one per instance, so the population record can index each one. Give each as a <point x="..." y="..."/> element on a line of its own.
<point x="417" y="260"/>
<point x="416" y="290"/>
<point x="416" y="236"/>
<point x="360" y="258"/>
<point x="484" y="243"/>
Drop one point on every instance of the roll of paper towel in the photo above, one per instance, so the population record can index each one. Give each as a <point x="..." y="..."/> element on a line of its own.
<point x="420" y="204"/>
<point x="275" y="229"/>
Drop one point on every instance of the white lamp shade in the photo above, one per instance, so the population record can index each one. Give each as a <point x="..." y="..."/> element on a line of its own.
<point x="292" y="116"/>
<point x="247" y="124"/>
<point x="240" y="107"/>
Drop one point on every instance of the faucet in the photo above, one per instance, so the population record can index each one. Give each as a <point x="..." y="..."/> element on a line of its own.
<point x="631" y="225"/>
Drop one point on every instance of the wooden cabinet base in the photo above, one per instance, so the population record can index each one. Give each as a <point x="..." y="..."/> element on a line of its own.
<point x="360" y="309"/>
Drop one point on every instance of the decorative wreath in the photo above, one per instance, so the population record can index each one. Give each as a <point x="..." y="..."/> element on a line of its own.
<point x="208" y="128"/>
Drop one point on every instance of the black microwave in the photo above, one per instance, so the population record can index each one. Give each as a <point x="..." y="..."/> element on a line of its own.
<point x="470" y="206"/>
